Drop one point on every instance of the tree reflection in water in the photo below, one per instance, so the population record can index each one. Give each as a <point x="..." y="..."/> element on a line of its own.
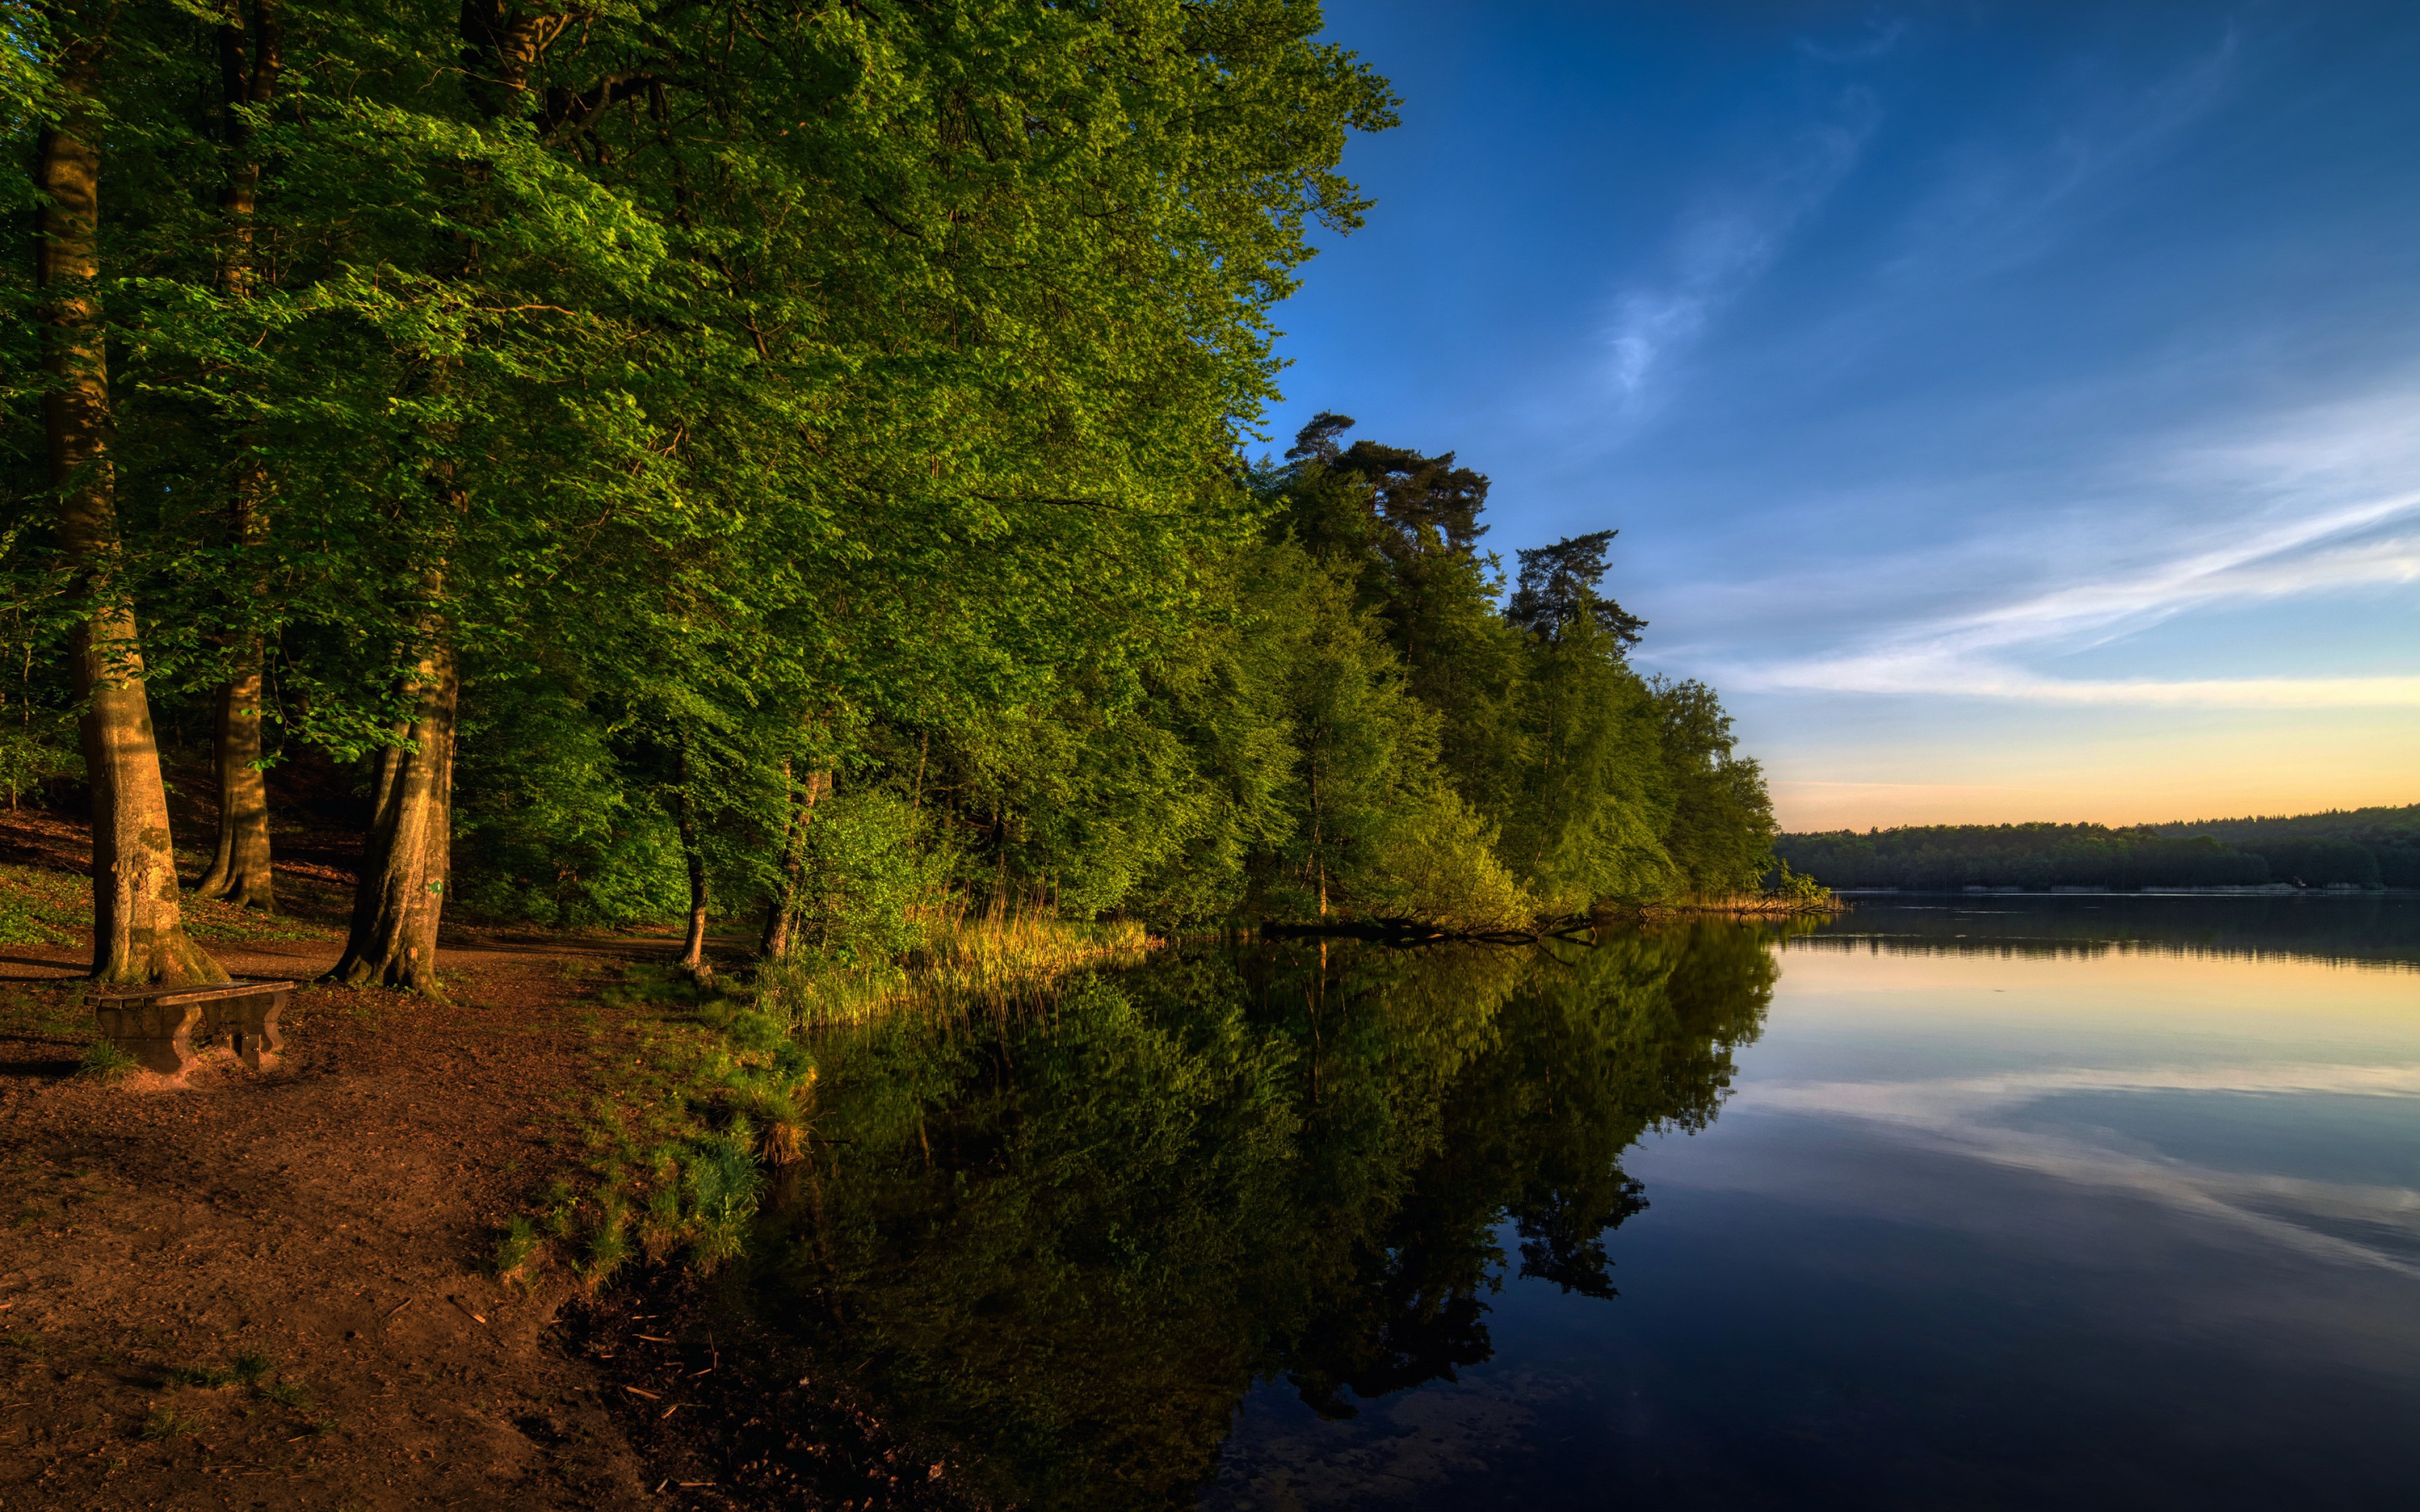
<point x="1063" y="1243"/>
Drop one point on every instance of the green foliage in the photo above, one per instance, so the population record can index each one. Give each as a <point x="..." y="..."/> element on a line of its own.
<point x="815" y="434"/>
<point x="517" y="1246"/>
<point x="867" y="869"/>
<point x="722" y="1183"/>
<point x="287" y="1394"/>
<point x="1438" y="862"/>
<point x="552" y="824"/>
<point x="1720" y="835"/>
<point x="31" y="755"/>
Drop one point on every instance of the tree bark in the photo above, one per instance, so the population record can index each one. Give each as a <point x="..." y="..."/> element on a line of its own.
<point x="692" y="962"/>
<point x="407" y="851"/>
<point x="781" y="909"/>
<point x="239" y="871"/>
<point x="138" y="927"/>
<point x="250" y="60"/>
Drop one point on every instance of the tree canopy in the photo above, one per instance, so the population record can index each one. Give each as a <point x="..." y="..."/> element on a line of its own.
<point x="650" y="445"/>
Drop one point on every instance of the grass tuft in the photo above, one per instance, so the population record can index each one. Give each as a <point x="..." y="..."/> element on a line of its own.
<point x="287" y="1394"/>
<point x="516" y="1247"/>
<point x="166" y="1423"/>
<point x="106" y="1063"/>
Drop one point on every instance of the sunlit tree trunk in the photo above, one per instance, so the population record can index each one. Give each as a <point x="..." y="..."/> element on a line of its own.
<point x="401" y="895"/>
<point x="407" y="851"/>
<point x="693" y="960"/>
<point x="139" y="926"/>
<point x="782" y="908"/>
<point x="250" y="58"/>
<point x="240" y="870"/>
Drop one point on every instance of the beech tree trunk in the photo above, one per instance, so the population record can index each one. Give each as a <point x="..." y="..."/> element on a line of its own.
<point x="239" y="871"/>
<point x="407" y="855"/>
<point x="780" y="909"/>
<point x="693" y="960"/>
<point x="407" y="851"/>
<point x="250" y="59"/>
<point x="138" y="931"/>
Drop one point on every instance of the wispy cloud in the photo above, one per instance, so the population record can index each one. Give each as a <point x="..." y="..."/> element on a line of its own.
<point x="2009" y="197"/>
<point x="1972" y="654"/>
<point x="2279" y="513"/>
<point x="1724" y="245"/>
<point x="1957" y="1114"/>
<point x="1875" y="38"/>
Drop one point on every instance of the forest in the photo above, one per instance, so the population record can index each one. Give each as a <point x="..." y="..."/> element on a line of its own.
<point x="797" y="471"/>
<point x="2362" y="847"/>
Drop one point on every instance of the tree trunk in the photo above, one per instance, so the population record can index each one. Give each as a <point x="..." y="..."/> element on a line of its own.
<point x="692" y="962"/>
<point x="407" y="855"/>
<point x="407" y="851"/>
<point x="138" y="931"/>
<point x="250" y="60"/>
<point x="783" y="905"/>
<point x="240" y="872"/>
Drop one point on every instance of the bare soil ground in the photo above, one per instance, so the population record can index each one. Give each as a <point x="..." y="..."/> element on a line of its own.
<point x="273" y="1290"/>
<point x="278" y="1290"/>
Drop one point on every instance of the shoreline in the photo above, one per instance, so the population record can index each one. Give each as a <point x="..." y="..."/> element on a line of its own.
<point x="2275" y="889"/>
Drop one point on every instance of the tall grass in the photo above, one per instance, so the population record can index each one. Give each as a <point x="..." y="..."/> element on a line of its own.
<point x="680" y="1150"/>
<point x="963" y="957"/>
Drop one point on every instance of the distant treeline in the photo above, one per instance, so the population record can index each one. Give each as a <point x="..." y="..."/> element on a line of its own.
<point x="2360" y="847"/>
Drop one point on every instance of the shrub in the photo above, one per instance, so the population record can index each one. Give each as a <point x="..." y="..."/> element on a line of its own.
<point x="1437" y="863"/>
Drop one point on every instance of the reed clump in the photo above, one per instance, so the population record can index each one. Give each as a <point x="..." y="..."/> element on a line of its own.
<point x="1791" y="894"/>
<point x="962" y="956"/>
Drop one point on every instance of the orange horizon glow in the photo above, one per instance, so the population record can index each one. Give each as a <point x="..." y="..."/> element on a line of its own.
<point x="1813" y="806"/>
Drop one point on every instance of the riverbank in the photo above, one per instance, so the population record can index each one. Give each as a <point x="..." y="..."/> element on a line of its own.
<point x="445" y="1251"/>
<point x="320" y="1285"/>
<point x="271" y="1282"/>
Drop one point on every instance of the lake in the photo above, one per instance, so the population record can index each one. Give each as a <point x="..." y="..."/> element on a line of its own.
<point x="1974" y="1201"/>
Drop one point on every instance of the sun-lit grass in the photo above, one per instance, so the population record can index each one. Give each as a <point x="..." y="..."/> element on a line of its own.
<point x="993" y="956"/>
<point x="701" y="1090"/>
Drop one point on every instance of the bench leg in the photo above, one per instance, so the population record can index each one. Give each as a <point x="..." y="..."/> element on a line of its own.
<point x="161" y="1040"/>
<point x="257" y="1039"/>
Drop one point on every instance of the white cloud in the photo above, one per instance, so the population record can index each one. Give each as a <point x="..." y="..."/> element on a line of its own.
<point x="1954" y="1114"/>
<point x="2278" y="511"/>
<point x="1724" y="245"/>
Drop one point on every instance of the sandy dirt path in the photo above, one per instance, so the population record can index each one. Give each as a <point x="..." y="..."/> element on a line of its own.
<point x="330" y="1216"/>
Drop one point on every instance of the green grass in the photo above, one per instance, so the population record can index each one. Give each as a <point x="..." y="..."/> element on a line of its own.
<point x="39" y="906"/>
<point x="165" y="1423"/>
<point x="698" y="1089"/>
<point x="104" y="1062"/>
<point x="516" y="1247"/>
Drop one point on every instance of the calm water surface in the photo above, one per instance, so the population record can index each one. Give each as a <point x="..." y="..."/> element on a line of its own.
<point x="2063" y="1202"/>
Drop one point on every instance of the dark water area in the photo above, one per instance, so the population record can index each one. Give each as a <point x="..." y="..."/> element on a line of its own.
<point x="2002" y="1202"/>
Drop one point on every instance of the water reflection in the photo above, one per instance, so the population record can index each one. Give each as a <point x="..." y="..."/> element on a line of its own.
<point x="2010" y="1203"/>
<point x="1067" y="1245"/>
<point x="2319" y="925"/>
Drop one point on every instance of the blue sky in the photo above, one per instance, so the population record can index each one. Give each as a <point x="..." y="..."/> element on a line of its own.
<point x="2012" y="408"/>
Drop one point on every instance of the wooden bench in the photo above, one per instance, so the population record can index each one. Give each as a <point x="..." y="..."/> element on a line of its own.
<point x="162" y="1027"/>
